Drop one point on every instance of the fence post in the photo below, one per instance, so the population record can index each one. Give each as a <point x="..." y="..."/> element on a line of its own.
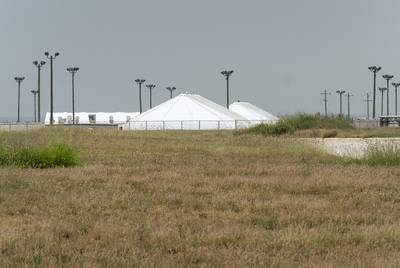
<point x="235" y="124"/>
<point x="146" y="125"/>
<point x="219" y="122"/>
<point x="9" y="127"/>
<point x="199" y="124"/>
<point x="181" y="125"/>
<point x="163" y="125"/>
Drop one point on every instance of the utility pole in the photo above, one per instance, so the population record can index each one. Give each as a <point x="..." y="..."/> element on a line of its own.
<point x="382" y="90"/>
<point x="325" y="100"/>
<point x="51" y="58"/>
<point x="34" y="92"/>
<point x="367" y="101"/>
<point x="150" y="87"/>
<point x="170" y="89"/>
<point x="39" y="66"/>
<point x="396" y="85"/>
<point x="340" y="92"/>
<point x="227" y="74"/>
<point x="348" y="105"/>
<point x="387" y="78"/>
<point x="374" y="70"/>
<point x="73" y="71"/>
<point x="19" y="81"/>
<point x="140" y="82"/>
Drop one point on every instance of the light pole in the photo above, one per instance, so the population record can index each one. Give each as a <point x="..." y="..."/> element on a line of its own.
<point x="396" y="85"/>
<point x="387" y="78"/>
<point x="382" y="90"/>
<point x="348" y="105"/>
<point x="170" y="89"/>
<point x="34" y="92"/>
<point x="150" y="87"/>
<point x="73" y="71"/>
<point x="19" y="81"/>
<point x="325" y="100"/>
<point x="375" y="70"/>
<point x="140" y="82"/>
<point x="39" y="66"/>
<point x="368" y="101"/>
<point x="227" y="74"/>
<point x="51" y="58"/>
<point x="340" y="92"/>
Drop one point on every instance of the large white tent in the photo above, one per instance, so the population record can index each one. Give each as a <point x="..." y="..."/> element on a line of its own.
<point x="252" y="113"/>
<point x="91" y="118"/>
<point x="187" y="112"/>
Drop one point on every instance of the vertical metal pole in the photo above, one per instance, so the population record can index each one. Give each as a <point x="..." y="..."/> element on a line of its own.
<point x="367" y="106"/>
<point x="140" y="97"/>
<point x="170" y="94"/>
<point x="326" y="104"/>
<point x="34" y="107"/>
<point x="227" y="92"/>
<point x="340" y="104"/>
<point x="151" y="100"/>
<point x="374" y="97"/>
<point x="395" y="92"/>
<point x="348" y="106"/>
<point x="38" y="90"/>
<point x="387" y="97"/>
<point x="382" y="104"/>
<point x="51" y="90"/>
<point x="73" y="98"/>
<point x="19" y="100"/>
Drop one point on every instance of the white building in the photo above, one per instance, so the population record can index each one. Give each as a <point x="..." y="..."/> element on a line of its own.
<point x="253" y="113"/>
<point x="187" y="112"/>
<point x="90" y="118"/>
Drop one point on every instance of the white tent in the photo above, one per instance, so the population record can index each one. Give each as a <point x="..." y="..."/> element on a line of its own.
<point x="187" y="112"/>
<point x="91" y="118"/>
<point x="253" y="113"/>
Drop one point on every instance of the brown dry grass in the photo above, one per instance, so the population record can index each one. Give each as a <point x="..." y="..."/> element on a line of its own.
<point x="205" y="199"/>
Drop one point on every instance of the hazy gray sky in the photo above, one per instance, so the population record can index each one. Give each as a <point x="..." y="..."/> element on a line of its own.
<point x="284" y="52"/>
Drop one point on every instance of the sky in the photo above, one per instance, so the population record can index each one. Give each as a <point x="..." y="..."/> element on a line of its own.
<point x="284" y="53"/>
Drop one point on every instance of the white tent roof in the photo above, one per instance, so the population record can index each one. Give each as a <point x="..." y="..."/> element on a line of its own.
<point x="101" y="118"/>
<point x="188" y="107"/>
<point x="251" y="112"/>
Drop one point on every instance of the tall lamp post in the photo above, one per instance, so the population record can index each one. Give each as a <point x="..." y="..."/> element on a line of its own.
<point x="140" y="82"/>
<point x="396" y="85"/>
<point x="39" y="66"/>
<point x="73" y="71"/>
<point x="170" y="89"/>
<point x="348" y="105"/>
<point x="51" y="58"/>
<point x="375" y="70"/>
<point x="368" y="100"/>
<point x="325" y="100"/>
<point x="382" y="90"/>
<point x="19" y="81"/>
<point x="34" y="92"/>
<point x="387" y="78"/>
<point x="227" y="74"/>
<point x="340" y="92"/>
<point x="150" y="87"/>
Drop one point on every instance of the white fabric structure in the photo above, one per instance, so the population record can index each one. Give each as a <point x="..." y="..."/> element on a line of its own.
<point x="187" y="112"/>
<point x="90" y="118"/>
<point x="253" y="113"/>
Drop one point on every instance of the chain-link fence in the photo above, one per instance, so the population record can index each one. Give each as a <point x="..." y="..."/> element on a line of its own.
<point x="20" y="126"/>
<point x="194" y="124"/>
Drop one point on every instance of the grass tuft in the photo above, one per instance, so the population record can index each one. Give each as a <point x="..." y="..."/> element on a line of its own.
<point x="387" y="156"/>
<point x="60" y="155"/>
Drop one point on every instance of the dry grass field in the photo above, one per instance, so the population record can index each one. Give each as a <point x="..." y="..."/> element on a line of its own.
<point x="196" y="199"/>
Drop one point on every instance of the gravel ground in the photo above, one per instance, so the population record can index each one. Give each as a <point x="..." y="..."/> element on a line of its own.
<point x="355" y="147"/>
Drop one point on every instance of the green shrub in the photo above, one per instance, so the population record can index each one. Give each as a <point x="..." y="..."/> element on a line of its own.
<point x="46" y="157"/>
<point x="288" y="125"/>
<point x="388" y="156"/>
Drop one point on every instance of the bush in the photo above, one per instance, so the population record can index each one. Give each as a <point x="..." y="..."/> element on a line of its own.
<point x="47" y="157"/>
<point x="301" y="121"/>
